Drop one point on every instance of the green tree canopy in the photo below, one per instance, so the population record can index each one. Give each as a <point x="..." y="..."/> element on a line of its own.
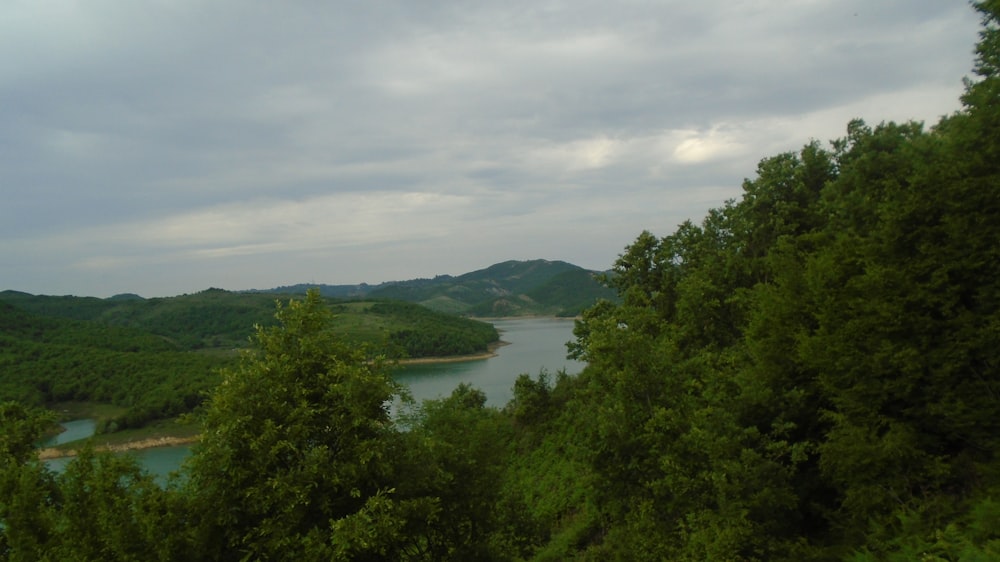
<point x="294" y="454"/>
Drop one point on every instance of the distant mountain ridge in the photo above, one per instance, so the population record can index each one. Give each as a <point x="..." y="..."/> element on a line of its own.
<point x="510" y="288"/>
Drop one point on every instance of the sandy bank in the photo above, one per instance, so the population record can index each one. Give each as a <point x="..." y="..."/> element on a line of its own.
<point x="55" y="453"/>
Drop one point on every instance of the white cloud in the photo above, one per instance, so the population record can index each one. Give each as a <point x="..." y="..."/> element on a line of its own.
<point x="700" y="147"/>
<point x="574" y="156"/>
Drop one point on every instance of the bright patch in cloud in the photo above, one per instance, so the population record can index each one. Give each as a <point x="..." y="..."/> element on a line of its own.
<point x="579" y="155"/>
<point x="714" y="144"/>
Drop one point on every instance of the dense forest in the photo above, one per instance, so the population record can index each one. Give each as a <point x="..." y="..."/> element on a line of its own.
<point x="159" y="358"/>
<point x="808" y="373"/>
<point x="46" y="360"/>
<point x="216" y="319"/>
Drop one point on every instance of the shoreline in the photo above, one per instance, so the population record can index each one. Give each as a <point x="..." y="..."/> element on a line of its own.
<point x="490" y="352"/>
<point x="149" y="443"/>
<point x="49" y="453"/>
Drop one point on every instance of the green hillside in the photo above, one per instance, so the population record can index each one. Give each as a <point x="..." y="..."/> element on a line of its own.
<point x="218" y="319"/>
<point x="511" y="288"/>
<point x="519" y="276"/>
<point x="158" y="357"/>
<point x="48" y="359"/>
<point x="408" y="330"/>
<point x="213" y="318"/>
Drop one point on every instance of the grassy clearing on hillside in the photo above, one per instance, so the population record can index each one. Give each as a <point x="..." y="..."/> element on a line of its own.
<point x="67" y="411"/>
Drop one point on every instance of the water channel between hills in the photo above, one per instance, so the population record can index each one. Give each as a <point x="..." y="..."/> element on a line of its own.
<point x="534" y="345"/>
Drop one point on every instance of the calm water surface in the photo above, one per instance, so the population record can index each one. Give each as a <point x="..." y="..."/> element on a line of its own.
<point x="535" y="345"/>
<point x="76" y="429"/>
<point x="161" y="461"/>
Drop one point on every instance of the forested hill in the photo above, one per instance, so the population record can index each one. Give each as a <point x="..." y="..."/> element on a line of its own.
<point x="209" y="319"/>
<point x="141" y="354"/>
<point x="510" y="288"/>
<point x="218" y="319"/>
<point x="47" y="359"/>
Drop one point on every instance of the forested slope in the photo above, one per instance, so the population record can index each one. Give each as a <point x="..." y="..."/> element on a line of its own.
<point x="158" y="358"/>
<point x="812" y="371"/>
<point x="216" y="319"/>
<point x="46" y="359"/>
<point x="213" y="318"/>
<point x="510" y="288"/>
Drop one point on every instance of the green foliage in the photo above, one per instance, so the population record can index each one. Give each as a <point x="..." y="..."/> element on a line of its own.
<point x="462" y="446"/>
<point x="972" y="535"/>
<point x="210" y="319"/>
<point x="416" y="331"/>
<point x="814" y="362"/>
<point x="548" y="494"/>
<point x="50" y="359"/>
<point x="46" y="360"/>
<point x="294" y="438"/>
<point x="22" y="427"/>
<point x="102" y="507"/>
<point x="25" y="487"/>
<point x="107" y="508"/>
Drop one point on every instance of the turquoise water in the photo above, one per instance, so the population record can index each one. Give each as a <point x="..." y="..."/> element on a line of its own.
<point x="161" y="461"/>
<point x="535" y="344"/>
<point x="74" y="430"/>
<point x="158" y="461"/>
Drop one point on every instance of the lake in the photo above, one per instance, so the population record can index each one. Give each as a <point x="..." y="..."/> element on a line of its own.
<point x="534" y="344"/>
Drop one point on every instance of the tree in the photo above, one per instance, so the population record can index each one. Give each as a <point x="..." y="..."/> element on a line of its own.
<point x="25" y="486"/>
<point x="293" y="459"/>
<point x="463" y="445"/>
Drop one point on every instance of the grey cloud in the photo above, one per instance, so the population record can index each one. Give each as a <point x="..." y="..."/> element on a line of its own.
<point x="565" y="127"/>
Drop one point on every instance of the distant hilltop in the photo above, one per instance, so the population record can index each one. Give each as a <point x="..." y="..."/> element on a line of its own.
<point x="510" y="288"/>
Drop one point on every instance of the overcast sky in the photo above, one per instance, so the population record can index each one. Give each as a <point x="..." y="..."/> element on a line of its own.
<point x="165" y="147"/>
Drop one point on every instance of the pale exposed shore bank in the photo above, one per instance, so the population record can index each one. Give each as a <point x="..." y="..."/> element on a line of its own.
<point x="55" y="452"/>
